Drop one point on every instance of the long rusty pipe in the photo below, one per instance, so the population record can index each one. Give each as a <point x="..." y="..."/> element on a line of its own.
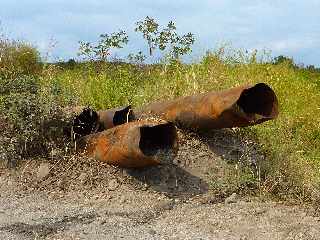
<point x="236" y="107"/>
<point x="133" y="145"/>
<point x="90" y="121"/>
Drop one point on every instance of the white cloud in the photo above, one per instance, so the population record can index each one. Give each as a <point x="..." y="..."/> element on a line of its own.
<point x="291" y="45"/>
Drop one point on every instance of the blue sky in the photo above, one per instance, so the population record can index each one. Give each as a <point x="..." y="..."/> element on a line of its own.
<point x="285" y="27"/>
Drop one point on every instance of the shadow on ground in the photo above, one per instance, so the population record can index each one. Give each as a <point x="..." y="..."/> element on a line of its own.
<point x="233" y="146"/>
<point x="48" y="227"/>
<point x="172" y="180"/>
<point x="203" y="159"/>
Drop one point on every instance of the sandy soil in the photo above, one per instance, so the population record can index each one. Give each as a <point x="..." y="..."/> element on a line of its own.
<point x="199" y="196"/>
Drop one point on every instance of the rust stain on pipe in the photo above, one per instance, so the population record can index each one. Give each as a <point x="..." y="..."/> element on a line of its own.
<point x="236" y="107"/>
<point x="133" y="145"/>
<point x="90" y="121"/>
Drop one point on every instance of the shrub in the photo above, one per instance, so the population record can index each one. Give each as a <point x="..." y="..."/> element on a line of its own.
<point x="18" y="58"/>
<point x="27" y="114"/>
<point x="25" y="106"/>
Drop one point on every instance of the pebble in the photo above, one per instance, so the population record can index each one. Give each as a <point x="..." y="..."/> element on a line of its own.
<point x="152" y="232"/>
<point x="82" y="177"/>
<point x="43" y="171"/>
<point x="231" y="199"/>
<point x="113" y="184"/>
<point x="122" y="199"/>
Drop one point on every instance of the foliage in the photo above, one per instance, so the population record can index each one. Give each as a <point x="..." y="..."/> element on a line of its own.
<point x="25" y="105"/>
<point x="18" y="58"/>
<point x="284" y="60"/>
<point x="138" y="58"/>
<point x="166" y="38"/>
<point x="149" y="29"/>
<point x="102" y="50"/>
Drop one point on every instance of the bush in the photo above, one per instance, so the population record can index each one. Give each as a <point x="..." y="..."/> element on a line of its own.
<point x="18" y="84"/>
<point x="27" y="114"/>
<point x="18" y="58"/>
<point x="25" y="105"/>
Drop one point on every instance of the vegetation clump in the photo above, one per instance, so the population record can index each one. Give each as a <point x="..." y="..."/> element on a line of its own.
<point x="26" y="105"/>
<point x="18" y="58"/>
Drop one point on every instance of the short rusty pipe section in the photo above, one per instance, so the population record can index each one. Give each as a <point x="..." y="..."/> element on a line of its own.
<point x="90" y="121"/>
<point x="237" y="107"/>
<point x="133" y="145"/>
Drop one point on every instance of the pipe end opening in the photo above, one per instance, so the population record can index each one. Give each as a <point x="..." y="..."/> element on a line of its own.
<point x="86" y="122"/>
<point x="159" y="139"/>
<point x="259" y="99"/>
<point x="123" y="116"/>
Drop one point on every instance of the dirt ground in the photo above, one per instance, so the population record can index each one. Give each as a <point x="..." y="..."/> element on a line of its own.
<point x="201" y="195"/>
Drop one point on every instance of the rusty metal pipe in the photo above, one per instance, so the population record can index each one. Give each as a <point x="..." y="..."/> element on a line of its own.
<point x="133" y="145"/>
<point x="90" y="121"/>
<point x="236" y="107"/>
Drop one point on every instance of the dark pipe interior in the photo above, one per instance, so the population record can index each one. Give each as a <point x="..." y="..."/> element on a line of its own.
<point x="159" y="137"/>
<point x="120" y="116"/>
<point x="86" y="122"/>
<point x="259" y="99"/>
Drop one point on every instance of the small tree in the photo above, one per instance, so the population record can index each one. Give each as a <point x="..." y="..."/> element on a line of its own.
<point x="283" y="59"/>
<point x="102" y="50"/>
<point x="166" y="38"/>
<point x="138" y="58"/>
<point x="182" y="45"/>
<point x="149" y="28"/>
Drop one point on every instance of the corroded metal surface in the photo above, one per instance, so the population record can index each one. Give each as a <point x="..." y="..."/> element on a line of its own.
<point x="236" y="107"/>
<point x="135" y="144"/>
<point x="90" y="121"/>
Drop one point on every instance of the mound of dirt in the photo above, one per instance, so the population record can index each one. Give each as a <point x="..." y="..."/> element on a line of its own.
<point x="212" y="161"/>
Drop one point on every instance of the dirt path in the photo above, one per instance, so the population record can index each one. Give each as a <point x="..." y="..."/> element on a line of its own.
<point x="150" y="215"/>
<point x="80" y="199"/>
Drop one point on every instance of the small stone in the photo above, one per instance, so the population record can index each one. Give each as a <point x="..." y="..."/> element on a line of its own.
<point x="231" y="199"/>
<point x="82" y="177"/>
<point x="122" y="199"/>
<point x="175" y="161"/>
<point x="43" y="171"/>
<point x="61" y="184"/>
<point x="161" y="197"/>
<point x="152" y="232"/>
<point x="113" y="185"/>
<point x="166" y="205"/>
